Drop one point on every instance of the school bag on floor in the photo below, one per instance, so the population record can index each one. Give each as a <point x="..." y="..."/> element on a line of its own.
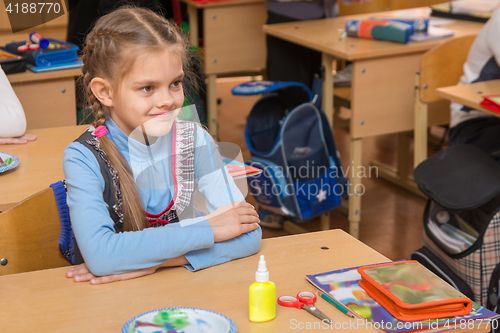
<point x="462" y="221"/>
<point x="290" y="139"/>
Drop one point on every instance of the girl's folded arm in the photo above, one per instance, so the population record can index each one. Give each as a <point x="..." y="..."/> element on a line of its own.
<point x="238" y="247"/>
<point x="218" y="190"/>
<point x="106" y="252"/>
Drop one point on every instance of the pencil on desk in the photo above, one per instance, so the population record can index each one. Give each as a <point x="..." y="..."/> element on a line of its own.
<point x="336" y="304"/>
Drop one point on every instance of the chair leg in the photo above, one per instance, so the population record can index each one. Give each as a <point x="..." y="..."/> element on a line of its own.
<point x="325" y="221"/>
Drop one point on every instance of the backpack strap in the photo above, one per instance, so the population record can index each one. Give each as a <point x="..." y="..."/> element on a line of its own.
<point x="317" y="91"/>
<point x="66" y="235"/>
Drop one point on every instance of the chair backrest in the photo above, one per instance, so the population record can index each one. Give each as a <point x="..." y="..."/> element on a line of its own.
<point x="403" y="4"/>
<point x="366" y="7"/>
<point x="442" y="66"/>
<point x="29" y="235"/>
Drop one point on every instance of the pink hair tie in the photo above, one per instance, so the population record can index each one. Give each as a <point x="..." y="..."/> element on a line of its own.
<point x="100" y="131"/>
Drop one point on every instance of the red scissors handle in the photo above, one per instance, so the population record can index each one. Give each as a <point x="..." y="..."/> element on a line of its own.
<point x="304" y="297"/>
<point x="307" y="297"/>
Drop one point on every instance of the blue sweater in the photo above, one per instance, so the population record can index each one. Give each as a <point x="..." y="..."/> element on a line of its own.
<point x="106" y="252"/>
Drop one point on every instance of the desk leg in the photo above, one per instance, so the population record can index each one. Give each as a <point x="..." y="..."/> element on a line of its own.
<point x="193" y="25"/>
<point x="212" y="106"/>
<point x="355" y="188"/>
<point x="327" y="106"/>
<point x="421" y="125"/>
<point x="327" y="95"/>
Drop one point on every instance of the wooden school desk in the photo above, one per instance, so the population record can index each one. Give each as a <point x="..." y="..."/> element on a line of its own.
<point x="47" y="301"/>
<point x="233" y="42"/>
<point x="382" y="86"/>
<point x="40" y="163"/>
<point x="471" y="94"/>
<point x="48" y="98"/>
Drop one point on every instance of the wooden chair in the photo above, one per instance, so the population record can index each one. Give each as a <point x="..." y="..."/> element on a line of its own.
<point x="440" y="66"/>
<point x="29" y="234"/>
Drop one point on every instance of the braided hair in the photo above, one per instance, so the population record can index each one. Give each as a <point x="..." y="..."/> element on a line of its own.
<point x="110" y="50"/>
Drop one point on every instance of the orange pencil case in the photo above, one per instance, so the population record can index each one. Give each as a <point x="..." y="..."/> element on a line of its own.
<point x="410" y="292"/>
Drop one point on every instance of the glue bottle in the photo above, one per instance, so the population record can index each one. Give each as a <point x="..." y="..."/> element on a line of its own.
<point x="262" y="295"/>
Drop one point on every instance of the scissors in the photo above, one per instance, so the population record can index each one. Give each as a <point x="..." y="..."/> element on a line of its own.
<point x="304" y="300"/>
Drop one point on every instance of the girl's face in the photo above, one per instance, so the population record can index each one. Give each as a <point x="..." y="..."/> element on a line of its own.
<point x="150" y="95"/>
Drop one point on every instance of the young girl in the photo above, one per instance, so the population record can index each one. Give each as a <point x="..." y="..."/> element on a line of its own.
<point x="118" y="185"/>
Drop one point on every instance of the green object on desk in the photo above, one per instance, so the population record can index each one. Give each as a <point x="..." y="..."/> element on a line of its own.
<point x="336" y="304"/>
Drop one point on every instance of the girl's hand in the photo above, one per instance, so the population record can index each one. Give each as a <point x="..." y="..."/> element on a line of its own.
<point x="232" y="220"/>
<point x="81" y="273"/>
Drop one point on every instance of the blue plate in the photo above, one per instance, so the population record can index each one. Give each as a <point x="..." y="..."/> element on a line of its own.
<point x="7" y="162"/>
<point x="180" y="319"/>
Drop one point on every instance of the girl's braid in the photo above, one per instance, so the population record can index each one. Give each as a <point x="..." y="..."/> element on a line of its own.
<point x="97" y="107"/>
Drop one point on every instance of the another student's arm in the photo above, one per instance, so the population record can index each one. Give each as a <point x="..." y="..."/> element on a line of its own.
<point x="493" y="26"/>
<point x="13" y="122"/>
<point x="106" y="252"/>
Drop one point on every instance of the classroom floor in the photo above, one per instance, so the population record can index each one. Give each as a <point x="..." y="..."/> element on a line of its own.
<point x="391" y="217"/>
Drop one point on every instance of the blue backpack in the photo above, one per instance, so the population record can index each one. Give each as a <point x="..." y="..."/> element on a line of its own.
<point x="290" y="139"/>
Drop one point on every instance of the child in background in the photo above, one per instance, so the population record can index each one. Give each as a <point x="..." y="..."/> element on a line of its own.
<point x="287" y="61"/>
<point x="475" y="127"/>
<point x="13" y="120"/>
<point x="123" y="176"/>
